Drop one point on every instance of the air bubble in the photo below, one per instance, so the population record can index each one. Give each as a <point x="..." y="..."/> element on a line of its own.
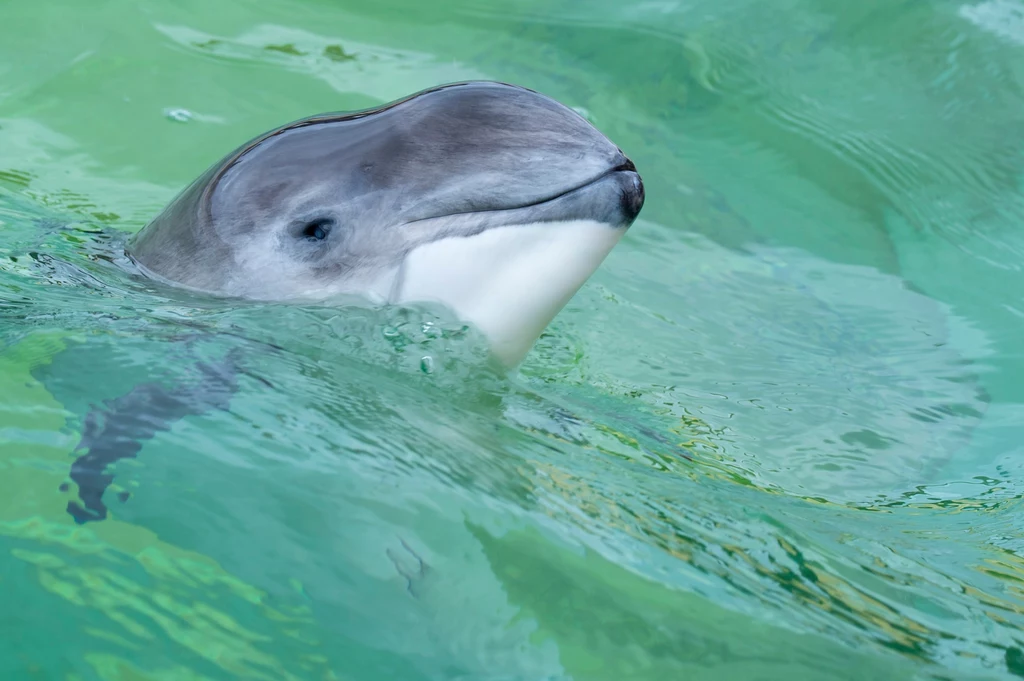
<point x="179" y="115"/>
<point x="430" y="330"/>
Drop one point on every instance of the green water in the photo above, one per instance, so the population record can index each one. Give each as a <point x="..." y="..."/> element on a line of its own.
<point x="779" y="435"/>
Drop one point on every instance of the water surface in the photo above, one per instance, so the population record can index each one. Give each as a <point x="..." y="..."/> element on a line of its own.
<point x="777" y="436"/>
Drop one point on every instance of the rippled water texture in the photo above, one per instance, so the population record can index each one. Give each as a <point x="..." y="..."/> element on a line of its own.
<point x="778" y="436"/>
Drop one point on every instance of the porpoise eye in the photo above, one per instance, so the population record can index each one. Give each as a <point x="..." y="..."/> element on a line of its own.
<point x="317" y="230"/>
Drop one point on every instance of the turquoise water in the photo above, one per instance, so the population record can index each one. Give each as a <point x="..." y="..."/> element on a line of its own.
<point x="777" y="436"/>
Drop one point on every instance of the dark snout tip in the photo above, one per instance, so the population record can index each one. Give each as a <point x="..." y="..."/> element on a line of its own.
<point x="632" y="190"/>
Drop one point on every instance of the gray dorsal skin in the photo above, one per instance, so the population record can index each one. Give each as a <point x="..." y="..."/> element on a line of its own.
<point x="489" y="198"/>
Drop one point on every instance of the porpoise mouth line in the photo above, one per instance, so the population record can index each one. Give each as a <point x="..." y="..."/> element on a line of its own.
<point x="624" y="167"/>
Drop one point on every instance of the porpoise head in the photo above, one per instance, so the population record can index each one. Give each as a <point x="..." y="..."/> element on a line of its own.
<point x="491" y="199"/>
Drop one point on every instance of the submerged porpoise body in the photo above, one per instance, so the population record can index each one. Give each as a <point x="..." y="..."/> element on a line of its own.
<point x="490" y="199"/>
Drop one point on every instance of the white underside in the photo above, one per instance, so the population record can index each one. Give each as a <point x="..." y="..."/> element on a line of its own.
<point x="509" y="282"/>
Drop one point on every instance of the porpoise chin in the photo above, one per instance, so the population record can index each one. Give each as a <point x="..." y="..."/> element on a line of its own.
<point x="490" y="199"/>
